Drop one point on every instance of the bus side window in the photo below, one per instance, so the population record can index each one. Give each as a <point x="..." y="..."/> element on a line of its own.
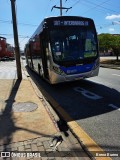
<point x="36" y="47"/>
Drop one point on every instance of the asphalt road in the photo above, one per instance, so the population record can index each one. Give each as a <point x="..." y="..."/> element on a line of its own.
<point x="8" y="70"/>
<point x="93" y="103"/>
<point x="108" y="77"/>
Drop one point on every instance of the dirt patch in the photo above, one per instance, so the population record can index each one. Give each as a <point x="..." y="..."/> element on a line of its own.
<point x="113" y="62"/>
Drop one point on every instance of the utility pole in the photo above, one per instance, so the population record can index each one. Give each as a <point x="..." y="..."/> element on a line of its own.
<point x="17" y="51"/>
<point x="61" y="8"/>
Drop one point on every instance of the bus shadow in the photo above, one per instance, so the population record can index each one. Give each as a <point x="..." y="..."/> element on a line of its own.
<point x="92" y="116"/>
<point x="76" y="104"/>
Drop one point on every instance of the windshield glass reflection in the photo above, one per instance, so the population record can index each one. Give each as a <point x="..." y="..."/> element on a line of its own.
<point x="69" y="45"/>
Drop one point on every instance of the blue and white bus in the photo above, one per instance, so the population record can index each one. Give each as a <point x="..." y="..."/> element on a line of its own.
<point x="64" y="48"/>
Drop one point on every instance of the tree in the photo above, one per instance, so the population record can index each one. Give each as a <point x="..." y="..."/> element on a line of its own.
<point x="115" y="45"/>
<point x="108" y="41"/>
<point x="104" y="40"/>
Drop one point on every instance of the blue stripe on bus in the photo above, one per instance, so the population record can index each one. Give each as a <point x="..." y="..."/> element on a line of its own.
<point x="77" y="69"/>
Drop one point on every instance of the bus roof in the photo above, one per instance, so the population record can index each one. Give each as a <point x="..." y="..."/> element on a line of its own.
<point x="50" y="19"/>
<point x="67" y="17"/>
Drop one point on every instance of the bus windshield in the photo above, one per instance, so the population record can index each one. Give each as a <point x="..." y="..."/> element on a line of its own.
<point x="73" y="44"/>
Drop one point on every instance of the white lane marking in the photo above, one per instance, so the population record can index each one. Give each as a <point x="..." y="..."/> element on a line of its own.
<point x="87" y="93"/>
<point x="115" y="74"/>
<point x="113" y="106"/>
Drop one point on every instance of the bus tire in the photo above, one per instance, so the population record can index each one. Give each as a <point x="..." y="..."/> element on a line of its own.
<point x="39" y="68"/>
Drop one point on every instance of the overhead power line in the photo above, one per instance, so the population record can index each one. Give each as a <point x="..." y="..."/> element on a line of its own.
<point x="99" y="5"/>
<point x="76" y="3"/>
<point x="20" y="36"/>
<point x="116" y="22"/>
<point x="95" y="5"/>
<point x="25" y="24"/>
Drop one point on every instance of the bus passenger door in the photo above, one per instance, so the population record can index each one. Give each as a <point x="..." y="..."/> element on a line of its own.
<point x="30" y="58"/>
<point x="44" y="55"/>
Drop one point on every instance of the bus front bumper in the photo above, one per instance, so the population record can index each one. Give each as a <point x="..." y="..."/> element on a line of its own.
<point x="56" y="78"/>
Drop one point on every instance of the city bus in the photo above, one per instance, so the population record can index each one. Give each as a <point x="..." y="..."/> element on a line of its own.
<point x="64" y="48"/>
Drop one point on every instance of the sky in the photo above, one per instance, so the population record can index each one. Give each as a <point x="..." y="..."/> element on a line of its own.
<point x="30" y="13"/>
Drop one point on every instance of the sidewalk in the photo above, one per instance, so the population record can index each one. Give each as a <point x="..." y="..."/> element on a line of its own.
<point x="104" y="63"/>
<point x="26" y="126"/>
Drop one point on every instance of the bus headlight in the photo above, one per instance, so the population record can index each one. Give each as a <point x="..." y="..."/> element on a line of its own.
<point x="58" y="70"/>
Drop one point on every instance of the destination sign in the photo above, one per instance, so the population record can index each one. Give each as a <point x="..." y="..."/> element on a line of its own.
<point x="71" y="23"/>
